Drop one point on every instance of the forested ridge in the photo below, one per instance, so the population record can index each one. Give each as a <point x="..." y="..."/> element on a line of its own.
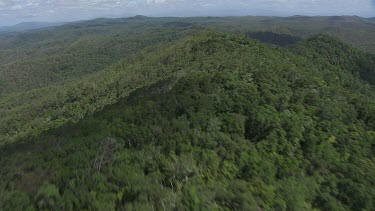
<point x="44" y="57"/>
<point x="73" y="59"/>
<point x="202" y="121"/>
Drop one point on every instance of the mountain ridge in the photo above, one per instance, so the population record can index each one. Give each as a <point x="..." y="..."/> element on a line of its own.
<point x="24" y="26"/>
<point x="76" y="89"/>
<point x="210" y="121"/>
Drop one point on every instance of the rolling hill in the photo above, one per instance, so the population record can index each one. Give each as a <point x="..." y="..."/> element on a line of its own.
<point x="210" y="121"/>
<point x="39" y="58"/>
<point x="204" y="113"/>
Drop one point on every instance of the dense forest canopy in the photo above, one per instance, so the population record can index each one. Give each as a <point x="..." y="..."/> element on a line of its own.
<point x="163" y="114"/>
<point x="40" y="58"/>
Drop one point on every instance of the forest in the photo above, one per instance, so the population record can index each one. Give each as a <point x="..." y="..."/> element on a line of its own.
<point x="188" y="114"/>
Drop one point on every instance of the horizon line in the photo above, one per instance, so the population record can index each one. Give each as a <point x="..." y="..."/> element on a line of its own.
<point x="190" y="16"/>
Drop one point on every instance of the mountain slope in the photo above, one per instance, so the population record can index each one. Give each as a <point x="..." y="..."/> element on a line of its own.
<point x="78" y="58"/>
<point x="31" y="112"/>
<point x="48" y="56"/>
<point x="325" y="50"/>
<point x="213" y="121"/>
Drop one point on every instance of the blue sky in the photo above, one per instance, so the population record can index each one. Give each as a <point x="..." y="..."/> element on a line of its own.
<point x="15" y="11"/>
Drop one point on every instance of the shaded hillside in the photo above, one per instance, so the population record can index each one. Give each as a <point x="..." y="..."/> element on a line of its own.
<point x="273" y="38"/>
<point x="324" y="49"/>
<point x="213" y="121"/>
<point x="351" y="29"/>
<point x="30" y="113"/>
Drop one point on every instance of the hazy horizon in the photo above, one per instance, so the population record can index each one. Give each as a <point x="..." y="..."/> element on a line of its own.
<point x="17" y="11"/>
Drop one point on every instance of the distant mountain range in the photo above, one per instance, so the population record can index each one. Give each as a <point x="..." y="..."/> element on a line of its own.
<point x="28" y="26"/>
<point x="38" y="25"/>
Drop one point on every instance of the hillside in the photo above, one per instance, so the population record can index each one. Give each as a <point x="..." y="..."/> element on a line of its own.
<point x="325" y="50"/>
<point x="210" y="121"/>
<point x="59" y="55"/>
<point x="31" y="112"/>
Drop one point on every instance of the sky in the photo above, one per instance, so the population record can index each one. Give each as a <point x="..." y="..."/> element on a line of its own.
<point x="16" y="11"/>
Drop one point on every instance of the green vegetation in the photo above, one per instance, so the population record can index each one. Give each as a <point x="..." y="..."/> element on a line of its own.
<point x="58" y="55"/>
<point x="212" y="121"/>
<point x="73" y="59"/>
<point x="54" y="76"/>
<point x="273" y="38"/>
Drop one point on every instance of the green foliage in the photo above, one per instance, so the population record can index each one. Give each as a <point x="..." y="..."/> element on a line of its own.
<point x="48" y="197"/>
<point x="81" y="55"/>
<point x="16" y="200"/>
<point x="214" y="121"/>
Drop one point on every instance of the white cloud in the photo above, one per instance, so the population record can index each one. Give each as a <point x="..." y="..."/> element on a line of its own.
<point x="16" y="7"/>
